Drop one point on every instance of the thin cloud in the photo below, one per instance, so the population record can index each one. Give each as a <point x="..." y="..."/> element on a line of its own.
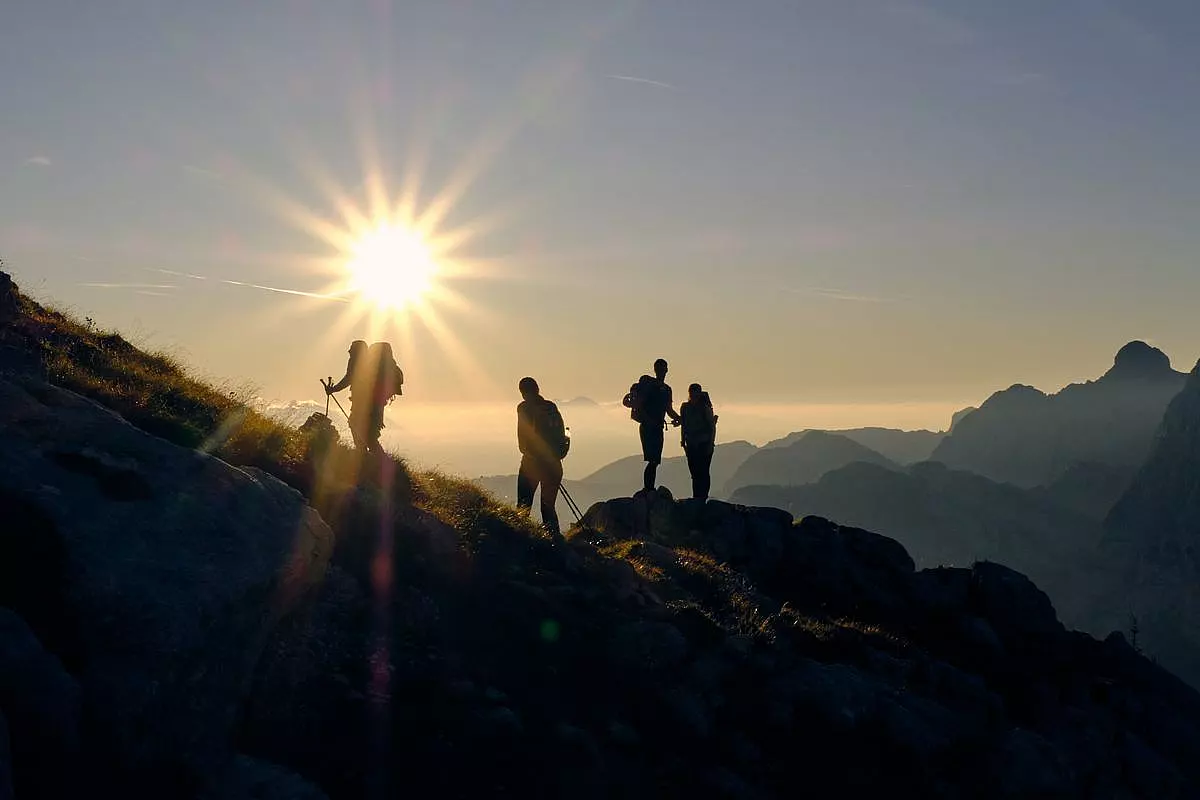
<point x="202" y="172"/>
<point x="843" y="296"/>
<point x="144" y="286"/>
<point x="646" y="81"/>
<point x="181" y="274"/>
<point x="39" y="161"/>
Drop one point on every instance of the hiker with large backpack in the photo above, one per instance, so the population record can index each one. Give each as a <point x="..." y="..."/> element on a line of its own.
<point x="544" y="441"/>
<point x="374" y="379"/>
<point x="387" y="384"/>
<point x="698" y="435"/>
<point x="649" y="402"/>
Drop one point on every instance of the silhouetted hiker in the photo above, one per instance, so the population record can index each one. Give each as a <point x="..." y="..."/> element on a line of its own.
<point x="699" y="438"/>
<point x="358" y="378"/>
<point x="543" y="440"/>
<point x="649" y="402"/>
<point x="374" y="379"/>
<point x="387" y="384"/>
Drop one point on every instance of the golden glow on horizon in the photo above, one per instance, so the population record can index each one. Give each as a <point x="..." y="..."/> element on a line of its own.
<point x="391" y="267"/>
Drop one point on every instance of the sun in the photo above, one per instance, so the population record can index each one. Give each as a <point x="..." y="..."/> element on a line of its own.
<point x="391" y="267"/>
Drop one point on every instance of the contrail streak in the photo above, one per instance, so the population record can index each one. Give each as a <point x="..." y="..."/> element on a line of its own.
<point x="295" y="292"/>
<point x="647" y="81"/>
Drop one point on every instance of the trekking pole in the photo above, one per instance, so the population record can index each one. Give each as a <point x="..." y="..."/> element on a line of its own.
<point x="572" y="505"/>
<point x="335" y="400"/>
<point x="327" y="394"/>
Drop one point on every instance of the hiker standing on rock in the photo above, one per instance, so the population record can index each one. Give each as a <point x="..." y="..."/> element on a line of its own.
<point x="543" y="441"/>
<point x="374" y="379"/>
<point x="699" y="438"/>
<point x="649" y="402"/>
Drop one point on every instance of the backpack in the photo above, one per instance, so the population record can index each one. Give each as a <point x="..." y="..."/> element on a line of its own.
<point x="699" y="421"/>
<point x="389" y="378"/>
<point x="551" y="429"/>
<point x="645" y="400"/>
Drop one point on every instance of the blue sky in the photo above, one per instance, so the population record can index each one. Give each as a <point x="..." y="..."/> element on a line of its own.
<point x="854" y="201"/>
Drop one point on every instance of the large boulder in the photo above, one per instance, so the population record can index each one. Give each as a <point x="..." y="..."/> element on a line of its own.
<point x="172" y="569"/>
<point x="6" y="787"/>
<point x="43" y="707"/>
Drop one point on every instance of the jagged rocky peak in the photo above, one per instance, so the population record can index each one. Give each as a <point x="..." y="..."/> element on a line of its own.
<point x="1138" y="360"/>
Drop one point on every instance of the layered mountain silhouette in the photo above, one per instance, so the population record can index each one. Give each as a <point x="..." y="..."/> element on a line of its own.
<point x="1026" y="437"/>
<point x="903" y="447"/>
<point x="804" y="459"/>
<point x="1152" y="541"/>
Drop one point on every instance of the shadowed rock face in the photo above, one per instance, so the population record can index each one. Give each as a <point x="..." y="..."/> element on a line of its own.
<point x="1028" y="438"/>
<point x="153" y="572"/>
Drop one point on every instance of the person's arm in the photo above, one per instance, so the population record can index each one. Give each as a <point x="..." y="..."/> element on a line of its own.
<point x="524" y="429"/>
<point x="344" y="382"/>
<point x="671" y="408"/>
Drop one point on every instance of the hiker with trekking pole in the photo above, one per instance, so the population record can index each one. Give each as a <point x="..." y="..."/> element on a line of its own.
<point x="374" y="379"/>
<point x="544" y="441"/>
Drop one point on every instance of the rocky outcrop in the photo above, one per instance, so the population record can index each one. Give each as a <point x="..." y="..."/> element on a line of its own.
<point x="154" y="573"/>
<point x="969" y="665"/>
<point x="1028" y="438"/>
<point x="954" y="518"/>
<point x="43" y="708"/>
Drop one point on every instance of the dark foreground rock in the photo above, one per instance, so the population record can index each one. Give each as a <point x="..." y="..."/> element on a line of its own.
<point x="175" y="627"/>
<point x="671" y="649"/>
<point x="154" y="574"/>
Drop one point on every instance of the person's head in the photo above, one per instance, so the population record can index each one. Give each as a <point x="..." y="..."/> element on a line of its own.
<point x="358" y="348"/>
<point x="694" y="391"/>
<point x="660" y="368"/>
<point x="528" y="388"/>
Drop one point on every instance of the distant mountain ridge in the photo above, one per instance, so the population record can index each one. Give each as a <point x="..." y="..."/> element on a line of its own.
<point x="804" y="460"/>
<point x="903" y="447"/>
<point x="1026" y="437"/>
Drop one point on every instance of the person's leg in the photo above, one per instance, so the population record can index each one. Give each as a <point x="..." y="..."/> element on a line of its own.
<point x="551" y="478"/>
<point x="704" y="473"/>
<point x="652" y="447"/>
<point x="693" y="461"/>
<point x="526" y="485"/>
<point x="357" y="429"/>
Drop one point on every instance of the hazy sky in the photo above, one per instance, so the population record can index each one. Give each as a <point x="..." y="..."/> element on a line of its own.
<point x="814" y="201"/>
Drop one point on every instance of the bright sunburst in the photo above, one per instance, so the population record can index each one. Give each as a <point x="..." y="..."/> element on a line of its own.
<point x="391" y="267"/>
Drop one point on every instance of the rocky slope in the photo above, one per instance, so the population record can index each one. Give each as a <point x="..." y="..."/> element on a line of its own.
<point x="1028" y="438"/>
<point x="175" y="626"/>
